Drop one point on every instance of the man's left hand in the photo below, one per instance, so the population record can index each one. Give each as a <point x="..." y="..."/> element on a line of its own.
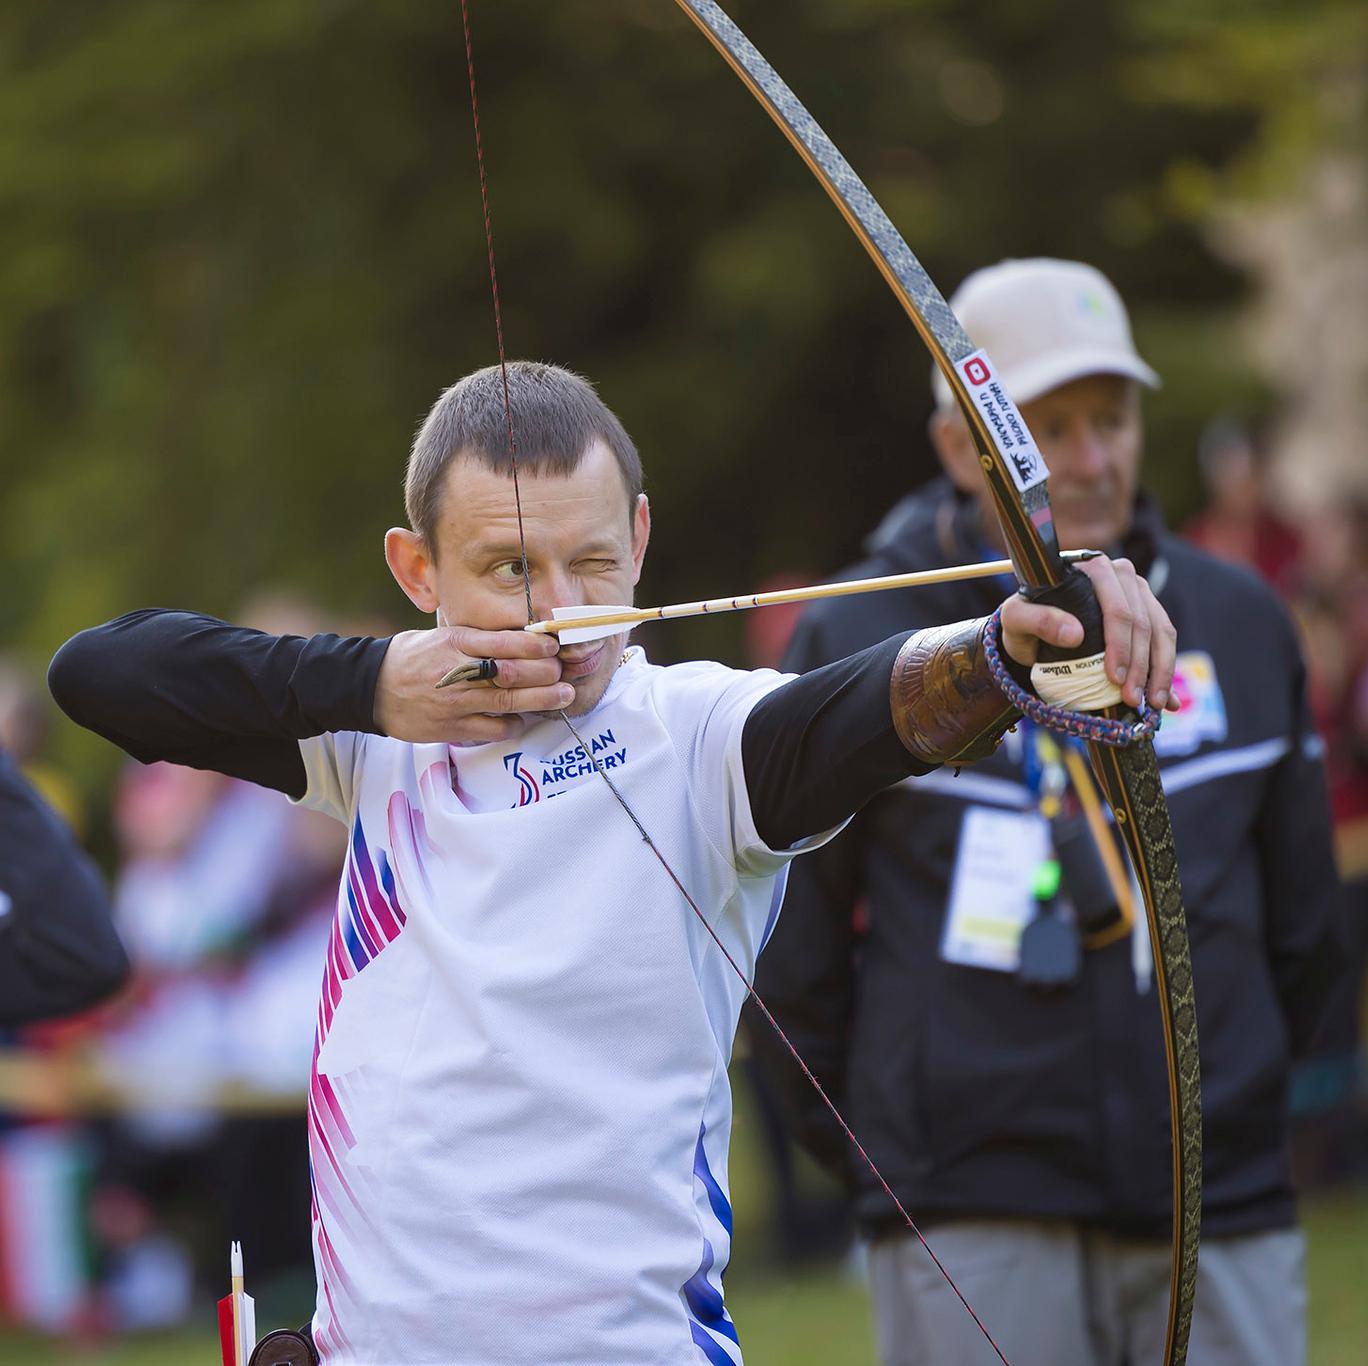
<point x="1140" y="640"/>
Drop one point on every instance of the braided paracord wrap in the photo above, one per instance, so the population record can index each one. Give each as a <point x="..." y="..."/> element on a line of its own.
<point x="1080" y="724"/>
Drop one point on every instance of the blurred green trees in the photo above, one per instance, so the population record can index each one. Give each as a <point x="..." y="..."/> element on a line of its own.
<point x="240" y="253"/>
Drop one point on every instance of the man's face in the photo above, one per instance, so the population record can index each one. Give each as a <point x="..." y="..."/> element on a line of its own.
<point x="584" y="547"/>
<point x="1091" y="436"/>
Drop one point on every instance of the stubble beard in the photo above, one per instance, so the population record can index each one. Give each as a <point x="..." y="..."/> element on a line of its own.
<point x="590" y="689"/>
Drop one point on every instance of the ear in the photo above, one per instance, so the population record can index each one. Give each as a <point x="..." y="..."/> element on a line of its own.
<point x="412" y="567"/>
<point x="641" y="534"/>
<point x="954" y="444"/>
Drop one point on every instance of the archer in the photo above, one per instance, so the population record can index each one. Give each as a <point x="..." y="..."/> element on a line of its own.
<point x="519" y="1108"/>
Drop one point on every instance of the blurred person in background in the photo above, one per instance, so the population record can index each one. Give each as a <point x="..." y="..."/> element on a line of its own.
<point x="1239" y="522"/>
<point x="58" y="950"/>
<point x="59" y="954"/>
<point x="25" y="732"/>
<point x="1331" y="606"/>
<point x="996" y="1041"/>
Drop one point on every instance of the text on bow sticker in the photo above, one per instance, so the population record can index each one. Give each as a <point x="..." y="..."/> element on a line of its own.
<point x="1004" y="420"/>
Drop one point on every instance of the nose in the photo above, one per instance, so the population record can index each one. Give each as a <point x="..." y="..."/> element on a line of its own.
<point x="555" y="588"/>
<point x="1085" y="454"/>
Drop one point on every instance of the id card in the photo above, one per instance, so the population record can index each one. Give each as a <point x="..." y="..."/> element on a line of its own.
<point x="990" y="892"/>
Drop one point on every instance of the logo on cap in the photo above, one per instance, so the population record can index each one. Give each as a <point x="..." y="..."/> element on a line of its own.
<point x="1089" y="301"/>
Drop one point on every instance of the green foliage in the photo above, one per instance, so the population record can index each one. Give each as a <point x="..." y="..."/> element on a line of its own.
<point x="241" y="252"/>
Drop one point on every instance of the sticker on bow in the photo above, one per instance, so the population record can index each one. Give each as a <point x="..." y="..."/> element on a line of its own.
<point x="1003" y="418"/>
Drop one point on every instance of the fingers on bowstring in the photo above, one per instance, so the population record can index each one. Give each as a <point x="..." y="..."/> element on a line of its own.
<point x="502" y="645"/>
<point x="517" y="674"/>
<point x="516" y="700"/>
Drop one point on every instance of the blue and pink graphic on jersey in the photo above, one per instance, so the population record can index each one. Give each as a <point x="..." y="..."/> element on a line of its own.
<point x="370" y="916"/>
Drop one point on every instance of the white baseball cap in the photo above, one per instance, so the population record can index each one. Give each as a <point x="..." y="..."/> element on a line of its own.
<point x="1044" y="323"/>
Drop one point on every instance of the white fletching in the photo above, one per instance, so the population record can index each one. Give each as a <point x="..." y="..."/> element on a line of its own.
<point x="577" y="635"/>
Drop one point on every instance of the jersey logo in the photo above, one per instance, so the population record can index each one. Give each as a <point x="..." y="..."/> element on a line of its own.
<point x="528" y="791"/>
<point x="542" y="777"/>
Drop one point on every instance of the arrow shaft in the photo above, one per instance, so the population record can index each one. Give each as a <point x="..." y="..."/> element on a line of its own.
<point x="707" y="606"/>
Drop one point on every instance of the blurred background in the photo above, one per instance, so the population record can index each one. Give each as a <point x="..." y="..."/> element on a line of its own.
<point x="241" y="253"/>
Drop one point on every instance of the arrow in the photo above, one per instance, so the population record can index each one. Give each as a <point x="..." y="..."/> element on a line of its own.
<point x="593" y="623"/>
<point x="596" y="622"/>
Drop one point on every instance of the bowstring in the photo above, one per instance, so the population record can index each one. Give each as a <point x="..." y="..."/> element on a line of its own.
<point x="602" y="772"/>
<point x="498" y="307"/>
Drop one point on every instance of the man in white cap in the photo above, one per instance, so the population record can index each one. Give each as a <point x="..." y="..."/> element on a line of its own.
<point x="964" y="966"/>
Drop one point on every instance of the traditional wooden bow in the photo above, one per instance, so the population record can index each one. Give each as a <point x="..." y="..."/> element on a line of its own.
<point x="1016" y="479"/>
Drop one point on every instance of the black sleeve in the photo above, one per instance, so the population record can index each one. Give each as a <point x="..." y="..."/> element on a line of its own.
<point x="806" y="976"/>
<point x="1304" y="925"/>
<point x="192" y="690"/>
<point x="819" y="747"/>
<point x="58" y="949"/>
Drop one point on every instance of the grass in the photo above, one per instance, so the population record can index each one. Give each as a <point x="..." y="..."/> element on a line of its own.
<point x="1337" y="1252"/>
<point x="811" y="1320"/>
<point x="821" y="1317"/>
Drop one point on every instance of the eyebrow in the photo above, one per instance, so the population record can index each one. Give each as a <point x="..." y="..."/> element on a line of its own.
<point x="494" y="551"/>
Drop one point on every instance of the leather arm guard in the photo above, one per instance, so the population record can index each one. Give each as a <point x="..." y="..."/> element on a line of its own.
<point x="946" y="707"/>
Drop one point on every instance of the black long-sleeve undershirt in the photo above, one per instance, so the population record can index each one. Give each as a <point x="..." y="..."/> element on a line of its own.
<point x="193" y="690"/>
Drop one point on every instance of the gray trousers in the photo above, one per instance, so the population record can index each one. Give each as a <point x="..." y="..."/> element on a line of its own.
<point x="1056" y="1295"/>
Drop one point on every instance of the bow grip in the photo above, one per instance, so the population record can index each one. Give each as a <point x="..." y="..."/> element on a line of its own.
<point x="1074" y="594"/>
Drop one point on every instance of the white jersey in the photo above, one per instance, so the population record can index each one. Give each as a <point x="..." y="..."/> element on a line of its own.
<point x="519" y="1110"/>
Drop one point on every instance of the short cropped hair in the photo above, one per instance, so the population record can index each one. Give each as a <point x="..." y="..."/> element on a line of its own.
<point x="557" y="416"/>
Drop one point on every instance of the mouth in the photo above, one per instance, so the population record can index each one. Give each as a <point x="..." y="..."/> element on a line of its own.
<point x="581" y="666"/>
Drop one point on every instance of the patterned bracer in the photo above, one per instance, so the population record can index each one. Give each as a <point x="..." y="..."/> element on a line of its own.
<point x="946" y="707"/>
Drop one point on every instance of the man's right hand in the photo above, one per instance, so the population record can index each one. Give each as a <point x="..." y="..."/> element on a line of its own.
<point x="410" y="706"/>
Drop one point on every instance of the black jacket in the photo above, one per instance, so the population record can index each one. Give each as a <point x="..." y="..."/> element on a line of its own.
<point x="980" y="1097"/>
<point x="58" y="950"/>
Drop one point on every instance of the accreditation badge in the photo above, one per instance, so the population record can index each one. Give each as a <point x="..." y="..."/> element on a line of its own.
<point x="1201" y="716"/>
<point x="991" y="898"/>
